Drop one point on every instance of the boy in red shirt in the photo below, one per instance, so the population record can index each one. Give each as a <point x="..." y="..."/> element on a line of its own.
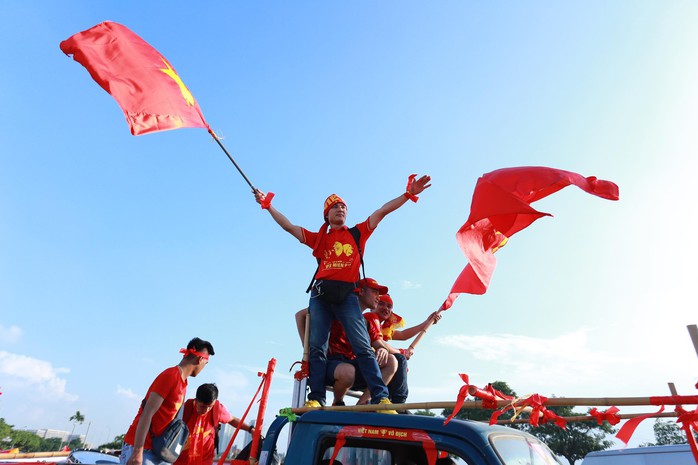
<point x="161" y="404"/>
<point x="203" y="415"/>
<point x="331" y="298"/>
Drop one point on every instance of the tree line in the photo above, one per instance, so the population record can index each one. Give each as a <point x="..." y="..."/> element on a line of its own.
<point x="26" y="441"/>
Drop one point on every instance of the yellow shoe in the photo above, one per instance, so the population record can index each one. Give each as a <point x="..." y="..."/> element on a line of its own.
<point x="386" y="401"/>
<point x="312" y="403"/>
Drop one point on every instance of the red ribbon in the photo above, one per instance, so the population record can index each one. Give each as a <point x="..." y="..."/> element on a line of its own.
<point x="410" y="196"/>
<point x="626" y="431"/>
<point x="539" y="413"/>
<point x="303" y="373"/>
<point x="689" y="420"/>
<point x="193" y="351"/>
<point x="610" y="415"/>
<point x="266" y="201"/>
<point x="490" y="396"/>
<point x="462" y="394"/>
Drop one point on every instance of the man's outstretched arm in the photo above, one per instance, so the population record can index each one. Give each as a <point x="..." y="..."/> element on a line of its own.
<point x="280" y="219"/>
<point x="414" y="188"/>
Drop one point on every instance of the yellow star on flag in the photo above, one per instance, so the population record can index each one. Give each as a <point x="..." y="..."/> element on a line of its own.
<point x="188" y="97"/>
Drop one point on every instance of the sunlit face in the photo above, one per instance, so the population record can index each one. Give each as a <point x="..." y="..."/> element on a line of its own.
<point x="383" y="310"/>
<point x="369" y="297"/>
<point x="337" y="214"/>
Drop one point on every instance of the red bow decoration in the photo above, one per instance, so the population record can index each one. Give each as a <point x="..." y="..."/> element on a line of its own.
<point x="539" y="413"/>
<point x="303" y="373"/>
<point x="610" y="415"/>
<point x="462" y="394"/>
<point x="490" y="396"/>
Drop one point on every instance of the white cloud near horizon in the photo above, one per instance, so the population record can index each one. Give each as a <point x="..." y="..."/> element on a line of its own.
<point x="564" y="360"/>
<point x="408" y="285"/>
<point x="10" y="334"/>
<point x="26" y="372"/>
<point x="125" y="392"/>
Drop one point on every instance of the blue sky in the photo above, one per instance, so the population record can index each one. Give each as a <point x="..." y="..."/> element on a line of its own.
<point x="116" y="250"/>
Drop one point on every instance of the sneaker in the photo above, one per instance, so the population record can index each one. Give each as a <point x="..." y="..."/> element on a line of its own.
<point x="386" y="401"/>
<point x="339" y="403"/>
<point x="312" y="403"/>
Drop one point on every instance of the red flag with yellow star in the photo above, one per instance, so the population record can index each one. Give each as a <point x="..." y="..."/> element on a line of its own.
<point x="141" y="80"/>
<point x="500" y="208"/>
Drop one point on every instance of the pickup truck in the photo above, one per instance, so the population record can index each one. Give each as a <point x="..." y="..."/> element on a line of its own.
<point x="325" y="437"/>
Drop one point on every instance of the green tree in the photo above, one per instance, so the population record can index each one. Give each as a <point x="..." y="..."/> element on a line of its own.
<point x="426" y="413"/>
<point x="667" y="433"/>
<point x="77" y="418"/>
<point x="117" y="443"/>
<point x="26" y="441"/>
<point x="577" y="440"/>
<point x="50" y="445"/>
<point x="5" y="430"/>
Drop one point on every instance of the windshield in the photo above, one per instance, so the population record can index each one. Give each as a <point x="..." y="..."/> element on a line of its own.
<point x="521" y="450"/>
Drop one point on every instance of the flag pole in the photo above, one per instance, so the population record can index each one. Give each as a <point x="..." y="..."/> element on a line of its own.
<point x="424" y="331"/>
<point x="220" y="144"/>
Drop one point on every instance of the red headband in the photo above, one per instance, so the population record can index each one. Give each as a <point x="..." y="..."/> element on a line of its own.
<point x="193" y="351"/>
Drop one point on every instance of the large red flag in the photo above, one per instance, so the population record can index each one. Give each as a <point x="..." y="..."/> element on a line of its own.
<point x="500" y="208"/>
<point x="144" y="84"/>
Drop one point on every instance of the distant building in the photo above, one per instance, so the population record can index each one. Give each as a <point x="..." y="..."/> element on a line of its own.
<point x="64" y="436"/>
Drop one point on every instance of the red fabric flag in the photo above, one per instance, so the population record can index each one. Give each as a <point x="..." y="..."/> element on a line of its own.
<point x="500" y="208"/>
<point x="144" y="84"/>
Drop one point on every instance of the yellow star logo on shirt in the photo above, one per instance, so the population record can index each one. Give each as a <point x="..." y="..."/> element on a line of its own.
<point x="188" y="97"/>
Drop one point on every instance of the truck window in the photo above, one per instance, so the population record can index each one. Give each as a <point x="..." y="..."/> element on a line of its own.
<point x="518" y="450"/>
<point x="368" y="452"/>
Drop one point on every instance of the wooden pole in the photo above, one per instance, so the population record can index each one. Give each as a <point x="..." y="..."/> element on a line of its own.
<point x="693" y="332"/>
<point x="423" y="332"/>
<point x="551" y="402"/>
<point x="306" y="338"/>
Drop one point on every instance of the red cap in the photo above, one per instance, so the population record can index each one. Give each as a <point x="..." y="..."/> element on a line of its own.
<point x="329" y="202"/>
<point x="370" y="282"/>
<point x="387" y="299"/>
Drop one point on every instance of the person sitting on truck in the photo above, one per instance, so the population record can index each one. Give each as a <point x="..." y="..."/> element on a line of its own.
<point x="339" y="256"/>
<point x="342" y="373"/>
<point x="203" y="416"/>
<point x="339" y="354"/>
<point x="161" y="404"/>
<point x="390" y="323"/>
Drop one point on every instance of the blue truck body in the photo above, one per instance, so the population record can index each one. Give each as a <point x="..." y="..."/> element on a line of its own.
<point x="359" y="438"/>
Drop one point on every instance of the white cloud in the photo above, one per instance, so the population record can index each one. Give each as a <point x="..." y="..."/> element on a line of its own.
<point x="410" y="285"/>
<point x="26" y="372"/>
<point x="125" y="392"/>
<point x="563" y="361"/>
<point x="11" y="334"/>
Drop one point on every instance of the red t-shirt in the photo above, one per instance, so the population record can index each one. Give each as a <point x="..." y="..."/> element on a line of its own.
<point x="199" y="448"/>
<point x="340" y="260"/>
<point x="172" y="388"/>
<point x="339" y="344"/>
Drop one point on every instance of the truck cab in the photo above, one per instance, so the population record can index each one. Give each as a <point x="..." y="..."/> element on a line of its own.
<point x="325" y="437"/>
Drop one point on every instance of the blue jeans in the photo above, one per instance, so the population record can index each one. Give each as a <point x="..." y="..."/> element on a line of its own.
<point x="398" y="385"/>
<point x="149" y="457"/>
<point x="349" y="315"/>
